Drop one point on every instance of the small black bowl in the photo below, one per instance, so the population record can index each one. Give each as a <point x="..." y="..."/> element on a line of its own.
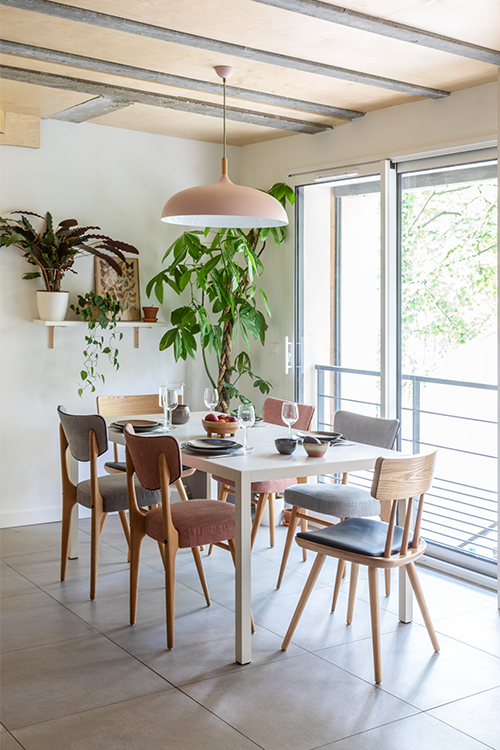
<point x="286" y="446"/>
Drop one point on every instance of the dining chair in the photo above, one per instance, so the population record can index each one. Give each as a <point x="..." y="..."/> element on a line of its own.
<point x="267" y="490"/>
<point x="340" y="500"/>
<point x="124" y="406"/>
<point x="156" y="461"/>
<point x="86" y="438"/>
<point x="376" y="544"/>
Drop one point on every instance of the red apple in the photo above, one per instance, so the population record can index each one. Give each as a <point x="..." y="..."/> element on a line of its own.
<point x="222" y="418"/>
<point x="231" y="418"/>
<point x="211" y="418"/>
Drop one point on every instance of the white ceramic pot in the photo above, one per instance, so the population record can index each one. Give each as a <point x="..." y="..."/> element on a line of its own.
<point x="52" y="305"/>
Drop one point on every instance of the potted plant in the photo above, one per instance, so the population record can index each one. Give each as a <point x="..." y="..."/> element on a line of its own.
<point x="100" y="313"/>
<point x="221" y="278"/>
<point x="54" y="251"/>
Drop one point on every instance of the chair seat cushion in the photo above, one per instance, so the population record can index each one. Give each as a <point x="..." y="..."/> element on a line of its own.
<point x="365" y="536"/>
<point x="342" y="500"/>
<point x="113" y="488"/>
<point x="197" y="522"/>
<point x="274" y="485"/>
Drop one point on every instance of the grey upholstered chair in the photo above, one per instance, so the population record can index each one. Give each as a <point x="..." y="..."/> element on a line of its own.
<point x="86" y="436"/>
<point x="340" y="500"/>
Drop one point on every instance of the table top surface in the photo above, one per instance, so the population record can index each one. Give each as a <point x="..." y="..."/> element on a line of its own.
<point x="264" y="461"/>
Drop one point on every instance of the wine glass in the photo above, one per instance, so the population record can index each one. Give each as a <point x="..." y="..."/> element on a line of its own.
<point x="169" y="401"/>
<point x="289" y="415"/>
<point x="246" y="418"/>
<point x="211" y="398"/>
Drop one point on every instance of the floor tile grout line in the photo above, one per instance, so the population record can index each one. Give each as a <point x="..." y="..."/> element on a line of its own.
<point x="461" y="731"/>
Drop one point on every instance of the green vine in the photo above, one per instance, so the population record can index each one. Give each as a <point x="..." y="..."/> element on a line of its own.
<point x="99" y="312"/>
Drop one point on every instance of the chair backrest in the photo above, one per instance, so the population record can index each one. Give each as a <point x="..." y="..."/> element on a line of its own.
<point x="272" y="413"/>
<point x="370" y="430"/>
<point x="124" y="406"/>
<point x="403" y="478"/>
<point x="145" y="454"/>
<point x="77" y="428"/>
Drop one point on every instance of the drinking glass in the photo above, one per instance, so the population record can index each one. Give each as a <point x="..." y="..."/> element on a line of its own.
<point x="169" y="400"/>
<point x="246" y="418"/>
<point x="289" y="415"/>
<point x="211" y="398"/>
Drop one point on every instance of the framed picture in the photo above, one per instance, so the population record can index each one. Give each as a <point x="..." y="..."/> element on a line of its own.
<point x="125" y="287"/>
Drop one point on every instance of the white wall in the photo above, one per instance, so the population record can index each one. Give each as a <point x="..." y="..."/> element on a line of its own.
<point x="119" y="181"/>
<point x="424" y="125"/>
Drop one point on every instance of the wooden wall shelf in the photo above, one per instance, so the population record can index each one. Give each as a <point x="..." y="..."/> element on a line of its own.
<point x="135" y="324"/>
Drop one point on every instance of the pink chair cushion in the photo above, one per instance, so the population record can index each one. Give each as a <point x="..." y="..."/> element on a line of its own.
<point x="274" y="485"/>
<point x="197" y="522"/>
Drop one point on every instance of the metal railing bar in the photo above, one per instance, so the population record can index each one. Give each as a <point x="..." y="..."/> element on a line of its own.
<point x="451" y="416"/>
<point x="351" y="400"/>
<point x="457" y="450"/>
<point x="461" y="517"/>
<point x="464" y="494"/>
<point x="461" y="484"/>
<point x="411" y="378"/>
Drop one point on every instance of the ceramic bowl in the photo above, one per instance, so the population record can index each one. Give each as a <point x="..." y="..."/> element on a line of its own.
<point x="316" y="450"/>
<point x="220" y="429"/>
<point x="286" y="446"/>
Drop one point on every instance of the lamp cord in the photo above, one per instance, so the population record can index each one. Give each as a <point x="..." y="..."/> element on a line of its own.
<point x="224" y="117"/>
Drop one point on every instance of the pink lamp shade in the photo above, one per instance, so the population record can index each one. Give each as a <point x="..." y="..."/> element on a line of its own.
<point x="224" y="204"/>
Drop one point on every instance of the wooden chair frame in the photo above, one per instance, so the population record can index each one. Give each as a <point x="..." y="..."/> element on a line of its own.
<point x="168" y="549"/>
<point x="110" y="406"/>
<point x="98" y="516"/>
<point x="394" y="478"/>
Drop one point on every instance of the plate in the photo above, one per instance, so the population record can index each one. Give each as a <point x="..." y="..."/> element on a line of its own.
<point x="321" y="435"/>
<point x="139" y="425"/>
<point x="214" y="452"/>
<point x="213" y="444"/>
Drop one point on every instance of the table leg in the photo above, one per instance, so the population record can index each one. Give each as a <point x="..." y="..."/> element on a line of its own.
<point x="243" y="572"/>
<point x="405" y="589"/>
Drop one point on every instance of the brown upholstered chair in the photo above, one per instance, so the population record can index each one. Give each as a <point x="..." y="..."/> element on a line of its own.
<point x="156" y="462"/>
<point x="376" y="544"/>
<point x="267" y="490"/>
<point x="124" y="406"/>
<point x="86" y="437"/>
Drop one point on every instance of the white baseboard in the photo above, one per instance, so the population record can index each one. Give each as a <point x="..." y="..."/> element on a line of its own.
<point x="39" y="515"/>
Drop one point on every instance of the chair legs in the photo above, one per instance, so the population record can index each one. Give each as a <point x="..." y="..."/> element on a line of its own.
<point x="170" y="555"/>
<point x="288" y="543"/>
<point x="415" y="584"/>
<point x="67" y="510"/>
<point x="375" y="616"/>
<point x="96" y="523"/>
<point x="338" y="581"/>
<point x="311" y="580"/>
<point x="137" y="535"/>
<point x="352" y="591"/>
<point x="201" y="573"/>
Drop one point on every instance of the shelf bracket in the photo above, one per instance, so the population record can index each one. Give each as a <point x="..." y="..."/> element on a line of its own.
<point x="50" y="331"/>
<point x="136" y="337"/>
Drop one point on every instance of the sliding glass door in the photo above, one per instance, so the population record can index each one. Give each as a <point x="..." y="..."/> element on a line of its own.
<point x="397" y="316"/>
<point x="448" y="344"/>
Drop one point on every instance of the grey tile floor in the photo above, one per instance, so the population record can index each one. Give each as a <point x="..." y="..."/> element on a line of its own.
<point x="76" y="676"/>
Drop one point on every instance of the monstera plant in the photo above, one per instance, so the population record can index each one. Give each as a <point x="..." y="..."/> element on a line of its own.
<point x="217" y="273"/>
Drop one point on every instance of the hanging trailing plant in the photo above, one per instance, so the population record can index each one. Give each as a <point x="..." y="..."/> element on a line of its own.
<point x="101" y="313"/>
<point x="220" y="275"/>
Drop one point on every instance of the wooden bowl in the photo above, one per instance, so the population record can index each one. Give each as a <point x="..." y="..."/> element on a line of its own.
<point x="220" y="429"/>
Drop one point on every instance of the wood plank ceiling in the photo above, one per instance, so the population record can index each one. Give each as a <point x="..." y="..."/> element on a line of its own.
<point x="300" y="65"/>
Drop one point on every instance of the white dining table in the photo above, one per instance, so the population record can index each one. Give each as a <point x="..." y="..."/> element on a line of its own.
<point x="264" y="463"/>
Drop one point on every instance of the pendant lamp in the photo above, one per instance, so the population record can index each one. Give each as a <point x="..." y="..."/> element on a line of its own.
<point x="224" y="204"/>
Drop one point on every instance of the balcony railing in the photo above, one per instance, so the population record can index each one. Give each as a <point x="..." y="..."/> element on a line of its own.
<point x="452" y="415"/>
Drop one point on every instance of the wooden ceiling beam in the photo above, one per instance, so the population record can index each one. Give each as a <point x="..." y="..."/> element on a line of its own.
<point x="143" y="74"/>
<point x="91" y="109"/>
<point x="385" y="27"/>
<point x="104" y="20"/>
<point x="135" y="96"/>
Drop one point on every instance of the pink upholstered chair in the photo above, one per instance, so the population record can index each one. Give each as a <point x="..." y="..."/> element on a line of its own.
<point x="267" y="490"/>
<point x="156" y="461"/>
